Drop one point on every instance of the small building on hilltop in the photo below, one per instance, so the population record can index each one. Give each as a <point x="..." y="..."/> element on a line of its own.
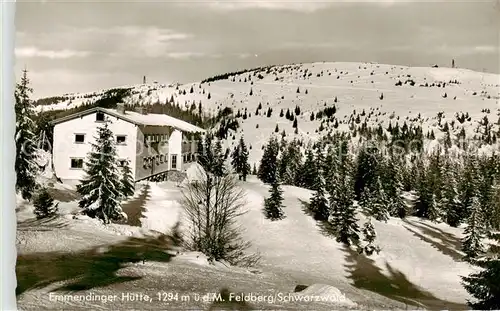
<point x="153" y="143"/>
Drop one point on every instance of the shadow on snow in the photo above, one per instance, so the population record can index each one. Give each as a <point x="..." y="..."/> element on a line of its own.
<point x="135" y="207"/>
<point x="366" y="275"/>
<point x="449" y="243"/>
<point x="96" y="267"/>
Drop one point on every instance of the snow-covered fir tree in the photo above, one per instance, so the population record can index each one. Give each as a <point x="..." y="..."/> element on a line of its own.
<point x="484" y="285"/>
<point x="467" y="184"/>
<point x="239" y="160"/>
<point x="450" y="203"/>
<point x="273" y="205"/>
<point x="25" y="165"/>
<point x="269" y="162"/>
<point x="393" y="186"/>
<point x="44" y="204"/>
<point x="100" y="188"/>
<point x="235" y="157"/>
<point x="210" y="155"/>
<point x="127" y="181"/>
<point x="375" y="203"/>
<point x="425" y="204"/>
<point x="342" y="209"/>
<point x="308" y="171"/>
<point x="369" y="237"/>
<point x="495" y="204"/>
<point x="290" y="163"/>
<point x="319" y="204"/>
<point x="367" y="170"/>
<point x="472" y="244"/>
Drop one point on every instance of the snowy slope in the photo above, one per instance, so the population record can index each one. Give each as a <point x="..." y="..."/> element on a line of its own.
<point x="297" y="245"/>
<point x="357" y="86"/>
<point x="417" y="263"/>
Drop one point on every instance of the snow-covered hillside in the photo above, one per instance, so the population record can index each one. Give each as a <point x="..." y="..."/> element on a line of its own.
<point x="417" y="266"/>
<point x="387" y="93"/>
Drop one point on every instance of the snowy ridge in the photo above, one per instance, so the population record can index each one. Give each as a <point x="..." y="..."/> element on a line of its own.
<point x="314" y="86"/>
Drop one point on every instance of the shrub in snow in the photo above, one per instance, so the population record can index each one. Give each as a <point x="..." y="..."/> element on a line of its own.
<point x="100" y="189"/>
<point x="212" y="204"/>
<point x="44" y="204"/>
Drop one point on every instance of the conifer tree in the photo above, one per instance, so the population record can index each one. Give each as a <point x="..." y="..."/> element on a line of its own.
<point x="467" y="185"/>
<point x="366" y="170"/>
<point x="393" y="186"/>
<point x="235" y="158"/>
<point x="308" y="171"/>
<point x="342" y="209"/>
<point x="495" y="204"/>
<point x="290" y="163"/>
<point x="483" y="285"/>
<point x="273" y="205"/>
<point x="100" y="188"/>
<point x="44" y="204"/>
<point x="318" y="204"/>
<point x="425" y="195"/>
<point x="245" y="166"/>
<point x="268" y="163"/>
<point x="25" y="165"/>
<point x="254" y="170"/>
<point x="127" y="181"/>
<point x="474" y="232"/>
<point x="450" y="203"/>
<point x="375" y="203"/>
<point x="240" y="160"/>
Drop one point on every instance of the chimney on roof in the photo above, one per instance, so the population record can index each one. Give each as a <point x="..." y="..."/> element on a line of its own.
<point x="141" y="110"/>
<point x="120" y="107"/>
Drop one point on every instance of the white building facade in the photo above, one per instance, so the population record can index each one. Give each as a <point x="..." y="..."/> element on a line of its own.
<point x="153" y="143"/>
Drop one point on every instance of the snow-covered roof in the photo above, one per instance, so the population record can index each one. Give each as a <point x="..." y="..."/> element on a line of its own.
<point x="149" y="119"/>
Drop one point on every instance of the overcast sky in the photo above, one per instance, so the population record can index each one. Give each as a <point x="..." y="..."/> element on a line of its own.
<point x="77" y="46"/>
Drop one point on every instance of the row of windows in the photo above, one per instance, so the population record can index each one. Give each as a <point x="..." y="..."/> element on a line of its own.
<point x="155" y="138"/>
<point x="77" y="163"/>
<point x="120" y="139"/>
<point x="159" y="159"/>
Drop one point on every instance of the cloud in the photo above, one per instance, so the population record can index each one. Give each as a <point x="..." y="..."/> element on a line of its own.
<point x="291" y="5"/>
<point x="466" y="50"/>
<point x="136" y="40"/>
<point x="185" y="55"/>
<point x="486" y="49"/>
<point x="32" y="52"/>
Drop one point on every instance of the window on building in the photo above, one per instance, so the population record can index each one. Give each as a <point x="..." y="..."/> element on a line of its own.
<point x="162" y="158"/>
<point x="79" y="138"/>
<point x="174" y="162"/>
<point x="121" y="139"/>
<point x="77" y="163"/>
<point x="99" y="117"/>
